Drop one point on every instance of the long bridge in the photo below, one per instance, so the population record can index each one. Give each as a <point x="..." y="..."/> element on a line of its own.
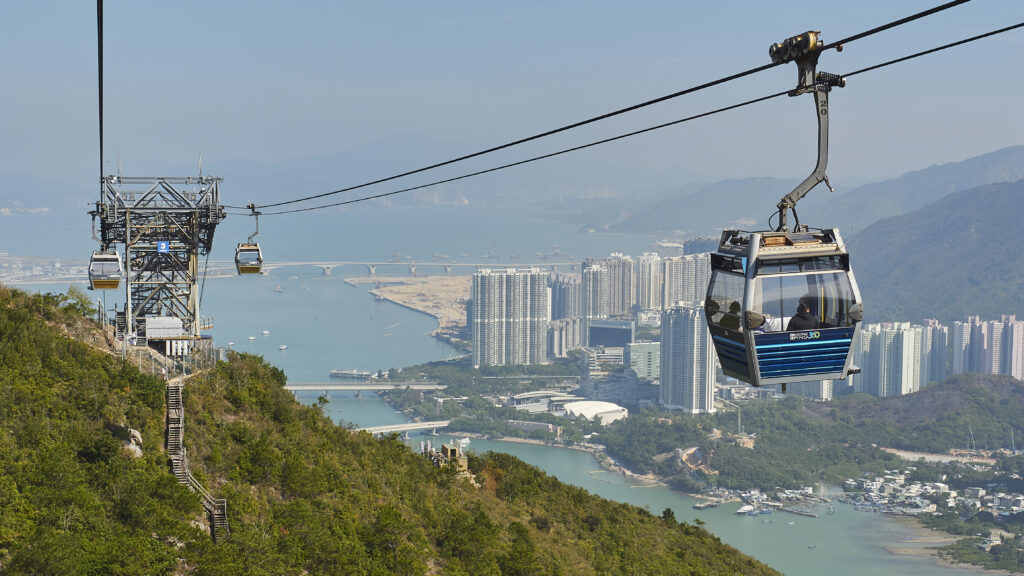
<point x="408" y="427"/>
<point x="412" y="266"/>
<point x="356" y="386"/>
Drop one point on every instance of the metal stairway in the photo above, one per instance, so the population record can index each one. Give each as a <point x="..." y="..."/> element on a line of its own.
<point x="216" y="508"/>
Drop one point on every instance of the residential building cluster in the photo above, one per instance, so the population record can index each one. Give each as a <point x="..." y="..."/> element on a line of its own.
<point x="899" y="358"/>
<point x="528" y="316"/>
<point x="511" y="311"/>
<point x="894" y="494"/>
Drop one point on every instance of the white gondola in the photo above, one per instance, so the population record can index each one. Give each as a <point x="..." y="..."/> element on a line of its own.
<point x="248" y="258"/>
<point x="105" y="270"/>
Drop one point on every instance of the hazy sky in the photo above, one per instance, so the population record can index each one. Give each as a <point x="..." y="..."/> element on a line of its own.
<point x="273" y="81"/>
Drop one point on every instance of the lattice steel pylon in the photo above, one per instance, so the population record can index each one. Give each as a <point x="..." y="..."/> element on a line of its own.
<point x="164" y="224"/>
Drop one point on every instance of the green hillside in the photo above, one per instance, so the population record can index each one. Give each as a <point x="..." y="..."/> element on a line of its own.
<point x="957" y="257"/>
<point x="304" y="496"/>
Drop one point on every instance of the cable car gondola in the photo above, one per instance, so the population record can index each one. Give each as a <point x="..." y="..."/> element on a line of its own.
<point x="783" y="306"/>
<point x="248" y="256"/>
<point x="105" y="270"/>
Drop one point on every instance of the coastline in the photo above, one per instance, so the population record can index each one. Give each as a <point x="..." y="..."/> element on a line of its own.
<point x="441" y="297"/>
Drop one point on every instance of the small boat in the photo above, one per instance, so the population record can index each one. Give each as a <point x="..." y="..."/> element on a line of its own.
<point x="252" y="337"/>
<point x="230" y="344"/>
<point x="282" y="347"/>
<point x="811" y="546"/>
<point x="278" y="289"/>
<point x="265" y="332"/>
<point x="745" y="509"/>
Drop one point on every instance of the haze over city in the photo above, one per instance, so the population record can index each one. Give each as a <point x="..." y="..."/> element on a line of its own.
<point x="476" y="376"/>
<point x="267" y="82"/>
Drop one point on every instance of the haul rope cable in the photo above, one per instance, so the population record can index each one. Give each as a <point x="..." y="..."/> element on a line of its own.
<point x="644" y="130"/>
<point x="834" y="45"/>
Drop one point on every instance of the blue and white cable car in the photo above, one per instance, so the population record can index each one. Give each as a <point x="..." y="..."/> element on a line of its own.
<point x="783" y="306"/>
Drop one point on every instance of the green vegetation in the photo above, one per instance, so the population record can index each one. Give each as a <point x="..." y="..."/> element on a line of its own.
<point x="798" y="442"/>
<point x="477" y="413"/>
<point x="304" y="496"/>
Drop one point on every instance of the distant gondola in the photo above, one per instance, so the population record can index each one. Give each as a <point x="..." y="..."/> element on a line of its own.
<point x="248" y="258"/>
<point x="105" y="270"/>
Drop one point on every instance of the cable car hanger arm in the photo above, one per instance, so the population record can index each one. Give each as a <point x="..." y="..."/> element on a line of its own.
<point x="804" y="49"/>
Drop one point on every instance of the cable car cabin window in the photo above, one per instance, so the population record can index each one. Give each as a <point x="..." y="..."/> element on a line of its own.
<point x="803" y="301"/>
<point x="805" y="264"/>
<point x="105" y="268"/>
<point x="724" y="301"/>
<point x="248" y="257"/>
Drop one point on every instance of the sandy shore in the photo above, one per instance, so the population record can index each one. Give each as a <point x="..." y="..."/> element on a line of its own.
<point x="443" y="297"/>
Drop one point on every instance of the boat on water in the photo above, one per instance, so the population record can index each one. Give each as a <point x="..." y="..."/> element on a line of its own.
<point x="282" y="347"/>
<point x="745" y="509"/>
<point x="350" y="374"/>
<point x="706" y="505"/>
<point x="265" y="332"/>
<point x="252" y="337"/>
<point x="278" y="289"/>
<point x="230" y="344"/>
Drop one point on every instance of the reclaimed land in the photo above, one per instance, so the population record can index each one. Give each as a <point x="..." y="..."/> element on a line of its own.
<point x="443" y="297"/>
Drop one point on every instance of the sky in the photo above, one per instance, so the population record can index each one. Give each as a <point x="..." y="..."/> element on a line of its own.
<point x="275" y="81"/>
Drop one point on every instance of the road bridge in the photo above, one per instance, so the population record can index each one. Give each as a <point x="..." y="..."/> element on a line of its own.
<point x="408" y="427"/>
<point x="354" y="386"/>
<point x="445" y="267"/>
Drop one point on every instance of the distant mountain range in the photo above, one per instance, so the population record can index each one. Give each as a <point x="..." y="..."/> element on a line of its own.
<point x="747" y="203"/>
<point x="962" y="255"/>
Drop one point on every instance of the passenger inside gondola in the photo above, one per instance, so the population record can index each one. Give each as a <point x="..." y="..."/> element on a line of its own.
<point x="790" y="302"/>
<point x="804" y="318"/>
<point x="731" y="320"/>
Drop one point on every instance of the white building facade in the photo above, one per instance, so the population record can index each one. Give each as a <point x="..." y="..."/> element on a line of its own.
<point x="687" y="361"/>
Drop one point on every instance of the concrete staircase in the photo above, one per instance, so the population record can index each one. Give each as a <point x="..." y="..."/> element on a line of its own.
<point x="216" y="508"/>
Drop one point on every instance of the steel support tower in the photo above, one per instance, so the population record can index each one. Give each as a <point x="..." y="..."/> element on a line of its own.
<point x="164" y="224"/>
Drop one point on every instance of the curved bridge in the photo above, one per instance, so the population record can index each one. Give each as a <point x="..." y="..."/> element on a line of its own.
<point x="408" y="427"/>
